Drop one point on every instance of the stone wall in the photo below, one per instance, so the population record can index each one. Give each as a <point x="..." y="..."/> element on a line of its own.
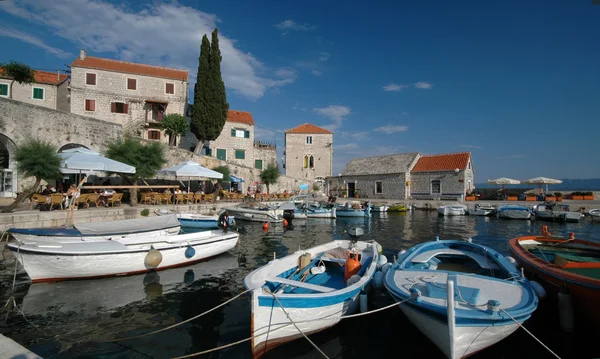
<point x="296" y="148"/>
<point x="267" y="154"/>
<point x="452" y="184"/>
<point x="230" y="143"/>
<point x="393" y="185"/>
<point x="63" y="101"/>
<point x="24" y="93"/>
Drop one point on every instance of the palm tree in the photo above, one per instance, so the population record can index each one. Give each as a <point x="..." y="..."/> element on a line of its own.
<point x="35" y="158"/>
<point x="270" y="175"/>
<point x="17" y="72"/>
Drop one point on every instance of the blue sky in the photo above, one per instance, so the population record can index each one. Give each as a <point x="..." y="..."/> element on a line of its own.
<point x="514" y="82"/>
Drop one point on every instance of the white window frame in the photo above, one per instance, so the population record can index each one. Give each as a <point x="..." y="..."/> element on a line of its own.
<point x="174" y="90"/>
<point x="431" y="187"/>
<point x="376" y="182"/>
<point x="84" y="103"/>
<point x="7" y="89"/>
<point x="43" y="93"/>
<point x="94" y="73"/>
<point x="309" y="140"/>
<point x="127" y="83"/>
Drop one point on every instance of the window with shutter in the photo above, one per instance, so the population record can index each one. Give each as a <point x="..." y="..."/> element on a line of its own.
<point x="233" y="132"/>
<point x="4" y="90"/>
<point x="90" y="105"/>
<point x="119" y="107"/>
<point x="311" y="161"/>
<point x="154" y="135"/>
<point x="222" y="154"/>
<point x="240" y="154"/>
<point x="258" y="164"/>
<point x="170" y="88"/>
<point x="131" y="84"/>
<point x="38" y="93"/>
<point x="246" y="134"/>
<point x="90" y="79"/>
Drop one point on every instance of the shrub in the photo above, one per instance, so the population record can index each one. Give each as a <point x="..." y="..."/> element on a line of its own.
<point x="558" y="194"/>
<point x="145" y="212"/>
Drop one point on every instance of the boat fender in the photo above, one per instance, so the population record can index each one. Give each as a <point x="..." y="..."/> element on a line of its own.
<point x="385" y="268"/>
<point x="538" y="289"/>
<point x="363" y="302"/>
<point x="285" y="222"/>
<point x="352" y="280"/>
<point x="153" y="258"/>
<point x="266" y="226"/>
<point x="379" y="248"/>
<point x="189" y="277"/>
<point x="190" y="252"/>
<point x="317" y="270"/>
<point x="565" y="312"/>
<point x="378" y="280"/>
<point x="381" y="261"/>
<point x="352" y="265"/>
<point x="511" y="260"/>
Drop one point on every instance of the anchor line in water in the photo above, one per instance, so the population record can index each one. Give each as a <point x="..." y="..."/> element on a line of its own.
<point x="530" y="333"/>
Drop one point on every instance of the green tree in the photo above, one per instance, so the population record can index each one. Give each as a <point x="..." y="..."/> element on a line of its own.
<point x="35" y="158"/>
<point x="174" y="125"/>
<point x="18" y="72"/>
<point x="147" y="158"/>
<point x="224" y="170"/>
<point x="270" y="175"/>
<point x="209" y="111"/>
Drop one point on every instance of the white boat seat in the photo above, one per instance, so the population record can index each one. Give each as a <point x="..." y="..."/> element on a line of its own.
<point x="334" y="260"/>
<point x="295" y="283"/>
<point x="481" y="260"/>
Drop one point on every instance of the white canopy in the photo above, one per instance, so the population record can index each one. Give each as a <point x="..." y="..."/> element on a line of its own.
<point x="84" y="160"/>
<point x="542" y="181"/>
<point x="190" y="169"/>
<point x="503" y="181"/>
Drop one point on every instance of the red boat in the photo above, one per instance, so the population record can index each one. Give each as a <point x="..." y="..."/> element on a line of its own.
<point x="563" y="265"/>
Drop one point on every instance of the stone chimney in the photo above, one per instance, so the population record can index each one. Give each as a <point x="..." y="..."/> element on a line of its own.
<point x="58" y="75"/>
<point x="82" y="54"/>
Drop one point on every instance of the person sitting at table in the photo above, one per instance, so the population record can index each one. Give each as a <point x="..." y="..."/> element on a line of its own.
<point x="47" y="191"/>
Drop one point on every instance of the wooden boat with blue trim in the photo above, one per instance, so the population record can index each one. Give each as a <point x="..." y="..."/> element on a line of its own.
<point x="315" y="287"/>
<point x="193" y="220"/>
<point x="563" y="265"/>
<point x="460" y="294"/>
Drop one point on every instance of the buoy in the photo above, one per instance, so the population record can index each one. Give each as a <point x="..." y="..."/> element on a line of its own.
<point x="355" y="278"/>
<point x="511" y="260"/>
<point x="266" y="226"/>
<point x="571" y="235"/>
<point x="352" y="265"/>
<point x="362" y="298"/>
<point x="285" y="222"/>
<point x="379" y="248"/>
<point x="545" y="231"/>
<point x="538" y="289"/>
<point x="378" y="280"/>
<point x="190" y="252"/>
<point x="153" y="258"/>
<point x="385" y="268"/>
<point x="565" y="312"/>
<point x="381" y="261"/>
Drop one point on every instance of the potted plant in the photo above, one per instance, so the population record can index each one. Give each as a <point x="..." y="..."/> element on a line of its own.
<point x="577" y="196"/>
<point x="530" y="197"/>
<point x="512" y="198"/>
<point x="344" y="192"/>
<point x="356" y="193"/>
<point x="588" y="196"/>
<point x="559" y="196"/>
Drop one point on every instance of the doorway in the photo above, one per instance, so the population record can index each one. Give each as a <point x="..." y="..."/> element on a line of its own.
<point x="351" y="189"/>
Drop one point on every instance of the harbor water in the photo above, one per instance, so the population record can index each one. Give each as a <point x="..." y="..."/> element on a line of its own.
<point x="79" y="319"/>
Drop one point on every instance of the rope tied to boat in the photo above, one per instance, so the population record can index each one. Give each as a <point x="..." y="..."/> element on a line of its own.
<point x="530" y="333"/>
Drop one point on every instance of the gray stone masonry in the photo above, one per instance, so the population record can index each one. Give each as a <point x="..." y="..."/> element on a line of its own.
<point x="296" y="148"/>
<point x="230" y="143"/>
<point x="55" y="97"/>
<point x="453" y="185"/>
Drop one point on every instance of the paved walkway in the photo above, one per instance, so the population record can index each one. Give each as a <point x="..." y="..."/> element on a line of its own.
<point x="13" y="350"/>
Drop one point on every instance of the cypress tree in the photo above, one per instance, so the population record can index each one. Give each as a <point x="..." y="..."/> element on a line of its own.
<point x="200" y="109"/>
<point x="220" y="107"/>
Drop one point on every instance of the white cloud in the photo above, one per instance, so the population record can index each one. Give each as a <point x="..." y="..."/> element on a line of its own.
<point x="424" y="85"/>
<point x="336" y="113"/>
<point x="324" y="56"/>
<point x="394" y="87"/>
<point x="289" y="24"/>
<point x="388" y="129"/>
<point x="386" y="150"/>
<point x="347" y="146"/>
<point x="470" y="146"/>
<point x="34" y="41"/>
<point x="316" y="72"/>
<point x="267" y="135"/>
<point x="360" y="135"/>
<point x="167" y="34"/>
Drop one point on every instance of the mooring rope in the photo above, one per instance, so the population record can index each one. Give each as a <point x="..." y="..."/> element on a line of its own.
<point x="530" y="333"/>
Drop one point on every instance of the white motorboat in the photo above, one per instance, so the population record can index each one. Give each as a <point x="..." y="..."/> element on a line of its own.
<point x="47" y="259"/>
<point x="513" y="211"/>
<point x="595" y="214"/>
<point x="455" y="209"/>
<point x="256" y="214"/>
<point x="313" y="288"/>
<point x="556" y="212"/>
<point x="483" y="209"/>
<point x="379" y="208"/>
<point x="193" y="220"/>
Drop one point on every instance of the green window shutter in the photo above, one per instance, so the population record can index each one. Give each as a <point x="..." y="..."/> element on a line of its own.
<point x="246" y="134"/>
<point x="240" y="154"/>
<point x="3" y="89"/>
<point x="258" y="164"/>
<point x="222" y="154"/>
<point x="38" y="93"/>
<point x="233" y="132"/>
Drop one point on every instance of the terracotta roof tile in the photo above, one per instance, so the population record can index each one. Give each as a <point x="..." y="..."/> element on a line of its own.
<point x="98" y="63"/>
<point x="444" y="162"/>
<point x="44" y="77"/>
<point x="309" y="128"/>
<point x="240" y="116"/>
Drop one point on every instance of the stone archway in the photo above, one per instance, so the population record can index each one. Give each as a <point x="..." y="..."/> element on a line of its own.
<point x="69" y="146"/>
<point x="8" y="167"/>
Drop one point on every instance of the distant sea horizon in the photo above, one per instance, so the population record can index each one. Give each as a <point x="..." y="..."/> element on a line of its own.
<point x="568" y="184"/>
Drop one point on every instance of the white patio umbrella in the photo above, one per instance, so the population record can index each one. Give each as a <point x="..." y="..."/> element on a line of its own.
<point x="503" y="181"/>
<point x="190" y="169"/>
<point x="542" y="181"/>
<point x="84" y="160"/>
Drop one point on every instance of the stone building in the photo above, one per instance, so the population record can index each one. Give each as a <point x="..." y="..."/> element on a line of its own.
<point x="49" y="89"/>
<point x="135" y="96"/>
<point x="308" y="152"/>
<point x="406" y="175"/>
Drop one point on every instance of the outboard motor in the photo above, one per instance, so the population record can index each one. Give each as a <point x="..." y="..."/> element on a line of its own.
<point x="355" y="233"/>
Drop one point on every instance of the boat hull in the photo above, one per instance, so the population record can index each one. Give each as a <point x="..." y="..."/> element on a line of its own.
<point x="452" y="210"/>
<point x="516" y="213"/>
<point x="49" y="265"/>
<point x="571" y="217"/>
<point x="195" y="221"/>
<point x="481" y="212"/>
<point x="256" y="215"/>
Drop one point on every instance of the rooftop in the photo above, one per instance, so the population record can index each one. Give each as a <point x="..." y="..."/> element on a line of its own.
<point x="240" y="116"/>
<point x="44" y="77"/>
<point x="443" y="162"/>
<point x="98" y="63"/>
<point x="310" y="129"/>
<point x="378" y="165"/>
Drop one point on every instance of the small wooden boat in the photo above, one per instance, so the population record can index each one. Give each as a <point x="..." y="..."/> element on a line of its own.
<point x="513" y="211"/>
<point x="353" y="210"/>
<point x="192" y="220"/>
<point x="566" y="266"/>
<point x="459" y="292"/>
<point x="556" y="212"/>
<point x="455" y="209"/>
<point x="380" y="208"/>
<point x="111" y="253"/>
<point x="398" y="207"/>
<point x="483" y="209"/>
<point x="313" y="210"/>
<point x="314" y="288"/>
<point x="595" y="214"/>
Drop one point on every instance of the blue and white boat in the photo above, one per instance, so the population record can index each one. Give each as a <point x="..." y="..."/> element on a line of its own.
<point x="460" y="295"/>
<point x="514" y="211"/>
<point x="308" y="287"/>
<point x="353" y="210"/>
<point x="192" y="220"/>
<point x="314" y="210"/>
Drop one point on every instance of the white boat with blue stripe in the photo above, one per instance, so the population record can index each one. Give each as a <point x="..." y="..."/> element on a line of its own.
<point x="460" y="295"/>
<point x="193" y="220"/>
<point x="311" y="287"/>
